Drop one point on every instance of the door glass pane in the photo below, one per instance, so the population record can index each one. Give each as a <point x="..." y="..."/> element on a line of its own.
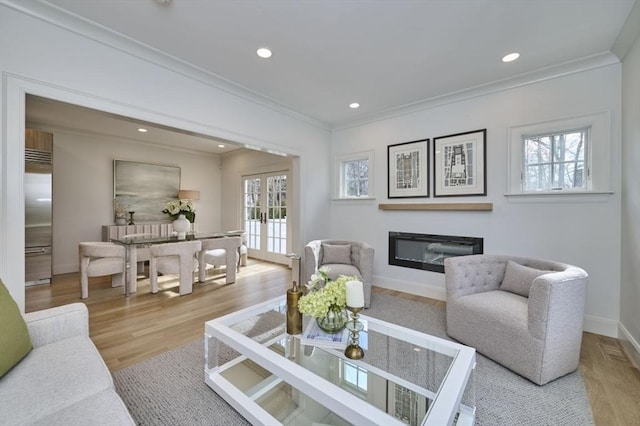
<point x="252" y="212"/>
<point x="277" y="214"/>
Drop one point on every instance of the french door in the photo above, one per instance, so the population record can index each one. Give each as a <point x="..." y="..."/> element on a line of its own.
<point x="265" y="216"/>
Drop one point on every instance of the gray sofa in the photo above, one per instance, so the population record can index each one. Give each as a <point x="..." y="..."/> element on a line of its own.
<point x="63" y="380"/>
<point x="526" y="314"/>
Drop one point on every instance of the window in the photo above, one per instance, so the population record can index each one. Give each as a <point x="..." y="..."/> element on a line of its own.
<point x="555" y="161"/>
<point x="569" y="156"/>
<point x="355" y="377"/>
<point x="354" y="176"/>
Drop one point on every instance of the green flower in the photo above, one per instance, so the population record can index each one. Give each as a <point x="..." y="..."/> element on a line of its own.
<point x="316" y="303"/>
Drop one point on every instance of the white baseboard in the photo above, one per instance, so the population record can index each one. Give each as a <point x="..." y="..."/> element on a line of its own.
<point x="65" y="269"/>
<point x="419" y="289"/>
<point x="598" y="325"/>
<point x="630" y="345"/>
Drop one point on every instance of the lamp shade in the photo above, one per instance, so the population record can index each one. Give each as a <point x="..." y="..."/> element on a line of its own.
<point x="188" y="194"/>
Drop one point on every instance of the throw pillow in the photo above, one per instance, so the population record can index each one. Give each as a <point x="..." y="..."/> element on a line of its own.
<point x="518" y="278"/>
<point x="334" y="253"/>
<point x="14" y="336"/>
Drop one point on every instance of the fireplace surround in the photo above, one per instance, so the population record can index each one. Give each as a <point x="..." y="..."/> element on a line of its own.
<point x="427" y="252"/>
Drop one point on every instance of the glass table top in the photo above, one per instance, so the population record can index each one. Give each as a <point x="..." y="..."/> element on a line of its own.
<point x="400" y="379"/>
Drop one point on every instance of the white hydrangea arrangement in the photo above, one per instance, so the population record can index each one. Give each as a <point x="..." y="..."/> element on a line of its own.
<point x="178" y="207"/>
<point x="316" y="303"/>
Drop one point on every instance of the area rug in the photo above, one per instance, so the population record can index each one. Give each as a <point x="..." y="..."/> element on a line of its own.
<point x="169" y="389"/>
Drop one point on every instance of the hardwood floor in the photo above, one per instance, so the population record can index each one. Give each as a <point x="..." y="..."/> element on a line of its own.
<point x="129" y="330"/>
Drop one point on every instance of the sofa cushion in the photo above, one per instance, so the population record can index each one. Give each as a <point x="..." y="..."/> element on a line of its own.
<point x="518" y="278"/>
<point x="333" y="253"/>
<point x="102" y="409"/>
<point x="52" y="377"/>
<point x="14" y="336"/>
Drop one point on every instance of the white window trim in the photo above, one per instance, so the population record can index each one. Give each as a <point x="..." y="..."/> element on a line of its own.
<point x="338" y="172"/>
<point x="597" y="156"/>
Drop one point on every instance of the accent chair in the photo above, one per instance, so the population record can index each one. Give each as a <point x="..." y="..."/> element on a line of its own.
<point x="526" y="314"/>
<point x="342" y="257"/>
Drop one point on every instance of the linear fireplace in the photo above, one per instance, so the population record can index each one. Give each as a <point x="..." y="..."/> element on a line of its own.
<point x="428" y="252"/>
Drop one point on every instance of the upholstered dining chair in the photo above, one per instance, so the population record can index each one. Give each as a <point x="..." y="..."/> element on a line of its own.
<point x="99" y="259"/>
<point x="341" y="257"/>
<point x="174" y="258"/>
<point x="218" y="252"/>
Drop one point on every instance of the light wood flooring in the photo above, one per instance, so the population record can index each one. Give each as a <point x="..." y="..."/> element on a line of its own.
<point x="129" y="330"/>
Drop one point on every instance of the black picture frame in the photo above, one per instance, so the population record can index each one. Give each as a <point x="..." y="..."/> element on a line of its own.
<point x="408" y="169"/>
<point x="460" y="164"/>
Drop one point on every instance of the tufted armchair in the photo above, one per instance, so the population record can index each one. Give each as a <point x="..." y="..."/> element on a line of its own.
<point x="342" y="258"/>
<point x="526" y="314"/>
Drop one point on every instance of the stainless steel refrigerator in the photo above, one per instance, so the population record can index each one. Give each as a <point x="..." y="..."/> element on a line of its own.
<point x="38" y="197"/>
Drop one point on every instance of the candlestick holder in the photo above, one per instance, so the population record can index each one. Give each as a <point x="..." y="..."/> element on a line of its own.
<point x="354" y="351"/>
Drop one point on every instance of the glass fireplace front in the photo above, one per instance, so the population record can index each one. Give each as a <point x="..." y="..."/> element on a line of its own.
<point x="428" y="252"/>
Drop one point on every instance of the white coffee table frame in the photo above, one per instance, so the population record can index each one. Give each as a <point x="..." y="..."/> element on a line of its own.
<point x="446" y="403"/>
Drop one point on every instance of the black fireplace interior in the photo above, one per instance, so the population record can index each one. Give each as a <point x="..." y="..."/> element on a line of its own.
<point x="428" y="252"/>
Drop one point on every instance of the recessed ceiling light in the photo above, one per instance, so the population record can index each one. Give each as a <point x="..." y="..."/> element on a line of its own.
<point x="354" y="105"/>
<point x="511" y="57"/>
<point x="142" y="130"/>
<point x="263" y="52"/>
<point x="220" y="145"/>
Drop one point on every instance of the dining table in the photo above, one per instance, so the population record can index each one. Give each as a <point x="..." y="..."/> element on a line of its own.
<point x="135" y="241"/>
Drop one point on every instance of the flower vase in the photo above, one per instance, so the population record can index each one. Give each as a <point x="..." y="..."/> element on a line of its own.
<point x="334" y="321"/>
<point x="181" y="225"/>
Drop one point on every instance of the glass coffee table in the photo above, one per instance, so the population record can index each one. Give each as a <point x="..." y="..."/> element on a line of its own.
<point x="270" y="377"/>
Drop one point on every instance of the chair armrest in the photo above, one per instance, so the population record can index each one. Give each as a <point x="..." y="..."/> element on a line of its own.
<point x="311" y="259"/>
<point x="365" y="262"/>
<point x="50" y="325"/>
<point x="473" y="274"/>
<point x="556" y="303"/>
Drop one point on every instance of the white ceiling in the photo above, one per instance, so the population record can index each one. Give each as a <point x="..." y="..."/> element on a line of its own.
<point x="384" y="54"/>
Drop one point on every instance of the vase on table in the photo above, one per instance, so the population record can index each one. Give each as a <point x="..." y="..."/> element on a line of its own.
<point x="181" y="225"/>
<point x="334" y="321"/>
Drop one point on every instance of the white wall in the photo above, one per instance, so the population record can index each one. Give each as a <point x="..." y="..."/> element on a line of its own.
<point x="576" y="231"/>
<point x="83" y="187"/>
<point x="630" y="282"/>
<point x="49" y="60"/>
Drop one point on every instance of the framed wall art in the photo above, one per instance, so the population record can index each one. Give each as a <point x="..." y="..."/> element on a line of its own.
<point x="145" y="188"/>
<point x="459" y="164"/>
<point x="408" y="169"/>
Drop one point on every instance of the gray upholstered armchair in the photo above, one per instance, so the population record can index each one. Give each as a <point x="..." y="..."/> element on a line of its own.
<point x="342" y="258"/>
<point x="526" y="314"/>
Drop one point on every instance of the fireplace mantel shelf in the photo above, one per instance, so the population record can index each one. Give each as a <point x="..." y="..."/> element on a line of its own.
<point x="476" y="207"/>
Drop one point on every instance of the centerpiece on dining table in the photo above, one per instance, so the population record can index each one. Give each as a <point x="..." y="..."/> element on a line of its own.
<point x="326" y="300"/>
<point x="183" y="215"/>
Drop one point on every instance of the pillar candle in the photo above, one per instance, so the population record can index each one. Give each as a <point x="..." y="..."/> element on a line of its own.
<point x="355" y="294"/>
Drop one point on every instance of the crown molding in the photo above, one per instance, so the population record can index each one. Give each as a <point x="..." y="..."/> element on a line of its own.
<point x="56" y="16"/>
<point x="573" y="67"/>
<point x="629" y="33"/>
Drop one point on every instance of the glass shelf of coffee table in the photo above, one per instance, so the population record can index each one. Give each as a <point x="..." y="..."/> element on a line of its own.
<point x="270" y="377"/>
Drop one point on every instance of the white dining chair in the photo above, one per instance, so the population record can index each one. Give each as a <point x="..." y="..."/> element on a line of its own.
<point x="177" y="258"/>
<point x="99" y="259"/>
<point x="220" y="252"/>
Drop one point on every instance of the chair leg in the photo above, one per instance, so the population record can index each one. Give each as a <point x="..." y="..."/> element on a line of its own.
<point x="117" y="280"/>
<point x="84" y="285"/>
<point x="153" y="275"/>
